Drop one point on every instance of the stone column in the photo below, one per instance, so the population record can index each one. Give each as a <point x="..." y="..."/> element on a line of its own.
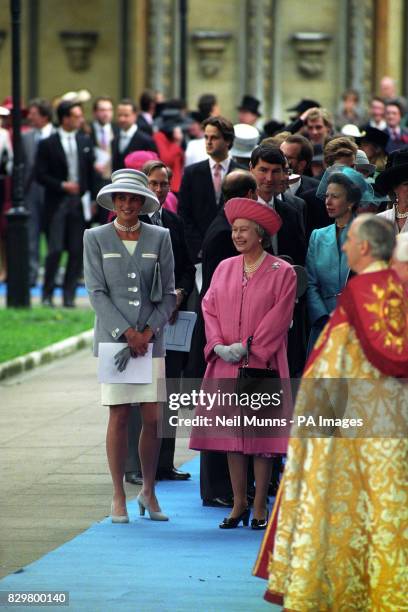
<point x="160" y="46"/>
<point x="259" y="51"/>
<point x="361" y="47"/>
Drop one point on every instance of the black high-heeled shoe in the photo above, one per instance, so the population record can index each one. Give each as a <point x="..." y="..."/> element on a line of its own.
<point x="232" y="522"/>
<point x="259" y="524"/>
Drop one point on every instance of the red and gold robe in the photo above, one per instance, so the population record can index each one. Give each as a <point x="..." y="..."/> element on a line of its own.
<point x="338" y="538"/>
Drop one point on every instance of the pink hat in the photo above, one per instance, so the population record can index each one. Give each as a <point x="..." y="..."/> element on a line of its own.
<point x="137" y="159"/>
<point x="244" y="208"/>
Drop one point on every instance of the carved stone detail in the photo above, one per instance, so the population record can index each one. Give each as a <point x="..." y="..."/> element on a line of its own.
<point x="210" y="46"/>
<point x="78" y="46"/>
<point x="311" y="48"/>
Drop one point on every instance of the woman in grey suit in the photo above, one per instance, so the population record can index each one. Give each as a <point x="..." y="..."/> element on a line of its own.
<point x="129" y="274"/>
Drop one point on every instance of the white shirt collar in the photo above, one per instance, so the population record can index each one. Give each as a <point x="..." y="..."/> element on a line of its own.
<point x="293" y="187"/>
<point x="148" y="117"/>
<point x="64" y="134"/>
<point x="157" y="211"/>
<point x="46" y="130"/>
<point x="271" y="202"/>
<point x="224" y="164"/>
<point x="130" y="132"/>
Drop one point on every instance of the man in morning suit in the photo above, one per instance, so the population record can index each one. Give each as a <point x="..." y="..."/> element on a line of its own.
<point x="398" y="135"/>
<point x="64" y="166"/>
<point x="269" y="168"/>
<point x="299" y="152"/>
<point x="103" y="131"/>
<point x="40" y="118"/>
<point x="184" y="275"/>
<point x="200" y="195"/>
<point x="131" y="137"/>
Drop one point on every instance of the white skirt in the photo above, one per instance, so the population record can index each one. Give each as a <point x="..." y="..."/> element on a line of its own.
<point x="128" y="393"/>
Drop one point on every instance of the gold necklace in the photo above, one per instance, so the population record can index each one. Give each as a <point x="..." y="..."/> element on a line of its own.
<point x="251" y="268"/>
<point x="126" y="228"/>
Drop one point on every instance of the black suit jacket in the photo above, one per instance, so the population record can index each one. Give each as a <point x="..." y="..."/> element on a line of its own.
<point x="306" y="183"/>
<point x="316" y="213"/>
<point x="197" y="203"/>
<point x="51" y="168"/>
<point x="217" y="246"/>
<point x="292" y="235"/>
<point x="140" y="141"/>
<point x="184" y="269"/>
<point x="143" y="125"/>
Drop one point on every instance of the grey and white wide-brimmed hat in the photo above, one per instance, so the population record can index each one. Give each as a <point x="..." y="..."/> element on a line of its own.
<point x="245" y="141"/>
<point x="128" y="181"/>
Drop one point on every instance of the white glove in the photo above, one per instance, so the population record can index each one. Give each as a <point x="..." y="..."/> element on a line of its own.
<point x="238" y="349"/>
<point x="226" y="353"/>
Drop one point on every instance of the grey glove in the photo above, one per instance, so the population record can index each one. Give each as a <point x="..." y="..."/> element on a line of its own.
<point x="227" y="353"/>
<point x="122" y="357"/>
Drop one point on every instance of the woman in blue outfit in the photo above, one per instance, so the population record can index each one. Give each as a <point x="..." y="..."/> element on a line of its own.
<point x="343" y="188"/>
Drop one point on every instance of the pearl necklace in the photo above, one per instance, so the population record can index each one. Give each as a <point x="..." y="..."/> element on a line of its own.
<point x="251" y="268"/>
<point x="399" y="214"/>
<point x="125" y="228"/>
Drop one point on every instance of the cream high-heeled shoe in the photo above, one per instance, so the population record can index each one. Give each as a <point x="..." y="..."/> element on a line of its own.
<point x="154" y="515"/>
<point x="116" y="518"/>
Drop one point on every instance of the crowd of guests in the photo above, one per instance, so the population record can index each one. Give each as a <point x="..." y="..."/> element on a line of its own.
<point x="275" y="220"/>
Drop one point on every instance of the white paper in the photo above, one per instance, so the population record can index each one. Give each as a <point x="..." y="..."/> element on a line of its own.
<point x="138" y="370"/>
<point x="199" y="276"/>
<point x="102" y="157"/>
<point x="86" y="205"/>
<point x="177" y="337"/>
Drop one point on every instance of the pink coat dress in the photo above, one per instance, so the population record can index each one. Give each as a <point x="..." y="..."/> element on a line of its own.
<point x="235" y="309"/>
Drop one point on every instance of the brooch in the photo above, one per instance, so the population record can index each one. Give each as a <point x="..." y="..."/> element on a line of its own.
<point x="276" y="265"/>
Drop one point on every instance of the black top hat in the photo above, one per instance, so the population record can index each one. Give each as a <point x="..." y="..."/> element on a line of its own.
<point x="196" y="116"/>
<point x="377" y="137"/>
<point x="251" y="104"/>
<point x="304" y="105"/>
<point x="272" y="127"/>
<point x="395" y="172"/>
<point x="169" y="119"/>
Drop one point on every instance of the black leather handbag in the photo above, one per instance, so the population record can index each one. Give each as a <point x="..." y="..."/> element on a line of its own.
<point x="253" y="380"/>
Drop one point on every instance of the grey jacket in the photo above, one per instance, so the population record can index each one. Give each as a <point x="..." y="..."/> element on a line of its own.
<point x="119" y="284"/>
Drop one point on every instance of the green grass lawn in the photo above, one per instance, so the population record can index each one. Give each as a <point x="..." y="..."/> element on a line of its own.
<point x="26" y="330"/>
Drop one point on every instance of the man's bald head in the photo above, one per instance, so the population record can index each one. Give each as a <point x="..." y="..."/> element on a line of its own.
<point x="370" y="238"/>
<point x="239" y="184"/>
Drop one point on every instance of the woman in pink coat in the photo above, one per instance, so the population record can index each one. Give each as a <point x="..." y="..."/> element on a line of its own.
<point x="251" y="295"/>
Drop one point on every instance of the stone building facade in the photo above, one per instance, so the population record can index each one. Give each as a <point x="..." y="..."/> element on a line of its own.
<point x="276" y="50"/>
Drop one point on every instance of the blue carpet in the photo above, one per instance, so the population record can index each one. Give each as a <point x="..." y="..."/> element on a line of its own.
<point x="36" y="291"/>
<point x="145" y="566"/>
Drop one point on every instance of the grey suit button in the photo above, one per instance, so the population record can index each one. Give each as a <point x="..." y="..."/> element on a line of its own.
<point x="132" y="275"/>
<point x="114" y="334"/>
<point x="134" y="289"/>
<point x="134" y="302"/>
